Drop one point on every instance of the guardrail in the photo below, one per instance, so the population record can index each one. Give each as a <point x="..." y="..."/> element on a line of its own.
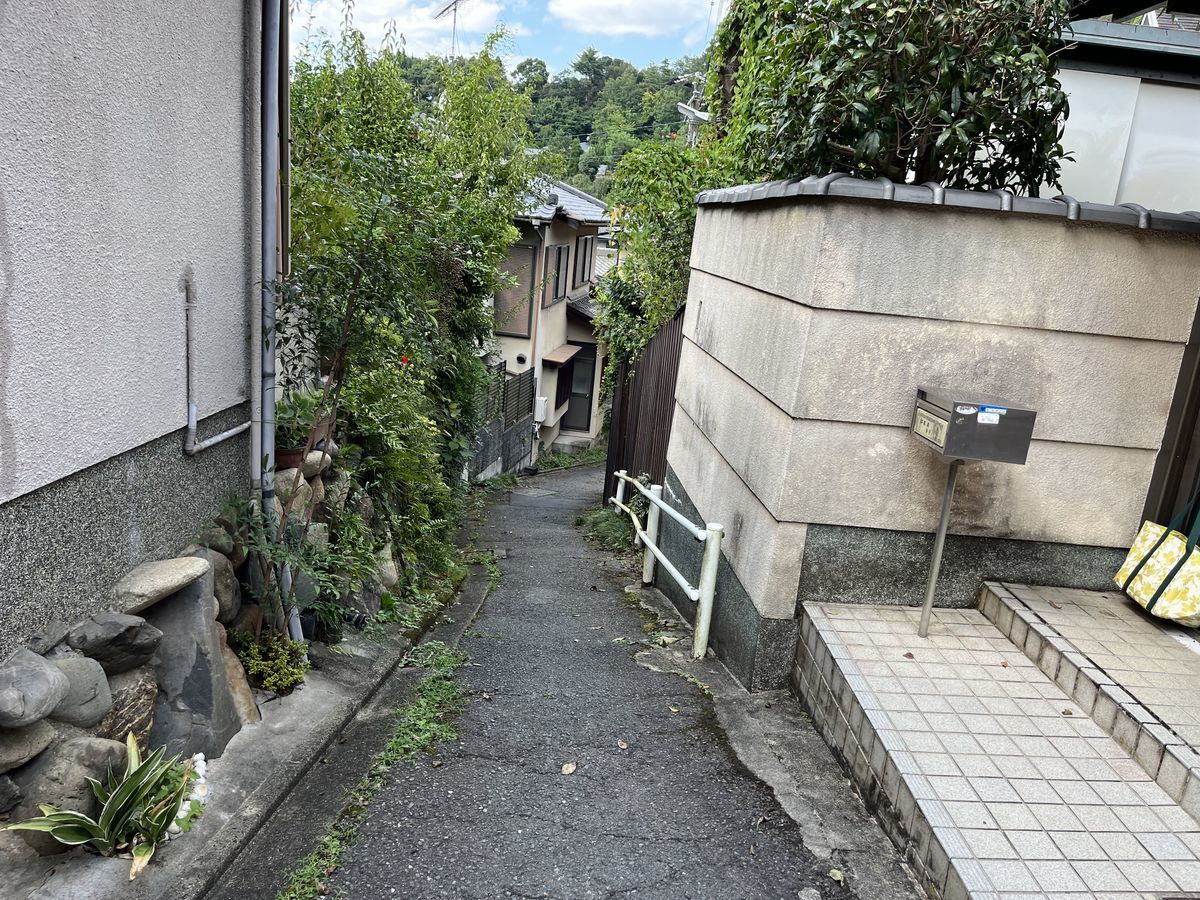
<point x="711" y="535"/>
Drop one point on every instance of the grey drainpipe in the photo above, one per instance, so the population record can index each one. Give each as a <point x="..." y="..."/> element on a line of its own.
<point x="190" y="445"/>
<point x="270" y="178"/>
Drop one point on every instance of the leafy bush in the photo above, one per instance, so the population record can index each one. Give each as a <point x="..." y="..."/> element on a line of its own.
<point x="136" y="811"/>
<point x="272" y="661"/>
<point x="958" y="91"/>
<point x="295" y="415"/>
<point x="654" y="188"/>
<point x="402" y="214"/>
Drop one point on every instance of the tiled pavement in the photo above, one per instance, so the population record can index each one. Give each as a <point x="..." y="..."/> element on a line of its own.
<point x="1136" y="676"/>
<point x="994" y="781"/>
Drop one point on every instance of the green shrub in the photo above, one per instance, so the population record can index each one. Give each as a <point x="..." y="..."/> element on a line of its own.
<point x="958" y="91"/>
<point x="272" y="661"/>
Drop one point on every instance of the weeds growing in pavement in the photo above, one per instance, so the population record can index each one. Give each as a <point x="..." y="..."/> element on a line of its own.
<point x="421" y="726"/>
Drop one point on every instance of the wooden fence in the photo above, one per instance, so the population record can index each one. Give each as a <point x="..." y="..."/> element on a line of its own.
<point x="643" y="406"/>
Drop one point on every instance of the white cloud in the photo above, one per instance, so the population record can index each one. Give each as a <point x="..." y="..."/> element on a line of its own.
<point x="643" y="18"/>
<point x="412" y="20"/>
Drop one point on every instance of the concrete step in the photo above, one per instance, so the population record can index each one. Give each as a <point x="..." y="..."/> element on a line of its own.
<point x="989" y="777"/>
<point x="1138" y="677"/>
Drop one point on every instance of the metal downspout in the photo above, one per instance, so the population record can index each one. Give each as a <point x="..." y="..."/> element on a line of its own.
<point x="270" y="179"/>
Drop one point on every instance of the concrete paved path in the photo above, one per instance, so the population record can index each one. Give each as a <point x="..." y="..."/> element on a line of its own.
<point x="673" y="815"/>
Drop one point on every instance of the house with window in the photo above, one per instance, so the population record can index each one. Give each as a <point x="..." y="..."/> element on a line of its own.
<point x="544" y="322"/>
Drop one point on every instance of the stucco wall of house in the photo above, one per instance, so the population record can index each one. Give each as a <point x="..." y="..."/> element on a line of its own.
<point x="799" y="368"/>
<point x="128" y="157"/>
<point x="128" y="161"/>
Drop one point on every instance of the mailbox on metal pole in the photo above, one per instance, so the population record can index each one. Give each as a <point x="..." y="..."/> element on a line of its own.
<point x="965" y="426"/>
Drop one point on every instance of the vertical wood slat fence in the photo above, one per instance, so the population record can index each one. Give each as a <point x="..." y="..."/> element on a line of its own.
<point x="642" y="408"/>
<point x="518" y="397"/>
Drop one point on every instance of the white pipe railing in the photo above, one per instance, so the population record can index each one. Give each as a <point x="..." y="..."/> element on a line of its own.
<point x="711" y="534"/>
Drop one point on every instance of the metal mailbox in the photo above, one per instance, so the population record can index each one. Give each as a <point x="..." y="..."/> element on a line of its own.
<point x="970" y="426"/>
<point x="962" y="426"/>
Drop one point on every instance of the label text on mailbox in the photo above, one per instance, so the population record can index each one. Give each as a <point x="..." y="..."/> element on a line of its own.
<point x="930" y="427"/>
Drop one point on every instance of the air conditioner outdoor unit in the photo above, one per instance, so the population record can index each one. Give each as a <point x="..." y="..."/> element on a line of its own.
<point x="540" y="405"/>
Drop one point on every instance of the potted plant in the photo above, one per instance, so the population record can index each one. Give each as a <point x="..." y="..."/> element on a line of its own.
<point x="295" y="417"/>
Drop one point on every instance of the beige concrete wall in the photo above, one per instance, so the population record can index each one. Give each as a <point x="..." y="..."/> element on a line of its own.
<point x="810" y="323"/>
<point x="128" y="154"/>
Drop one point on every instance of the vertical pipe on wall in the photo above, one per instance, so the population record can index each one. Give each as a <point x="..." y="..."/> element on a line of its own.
<point x="270" y="225"/>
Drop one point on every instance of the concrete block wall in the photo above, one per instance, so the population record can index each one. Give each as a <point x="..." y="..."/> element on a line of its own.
<point x="811" y="320"/>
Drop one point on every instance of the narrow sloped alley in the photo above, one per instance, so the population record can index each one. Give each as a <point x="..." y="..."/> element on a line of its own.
<point x="657" y="805"/>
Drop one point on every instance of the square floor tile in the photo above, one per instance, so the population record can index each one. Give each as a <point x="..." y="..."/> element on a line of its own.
<point x="1101" y="876"/>
<point x="1078" y="845"/>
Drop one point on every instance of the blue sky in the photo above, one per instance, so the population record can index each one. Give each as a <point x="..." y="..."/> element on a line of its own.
<point x="641" y="31"/>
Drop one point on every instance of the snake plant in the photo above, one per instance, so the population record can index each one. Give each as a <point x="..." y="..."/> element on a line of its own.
<point x="135" y="810"/>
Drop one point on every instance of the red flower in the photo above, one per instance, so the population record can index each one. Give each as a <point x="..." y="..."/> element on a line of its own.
<point x="404" y="359"/>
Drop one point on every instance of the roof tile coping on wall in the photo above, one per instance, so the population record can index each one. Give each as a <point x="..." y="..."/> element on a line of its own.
<point x="839" y="184"/>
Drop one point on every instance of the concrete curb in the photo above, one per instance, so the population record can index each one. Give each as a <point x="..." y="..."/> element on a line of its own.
<point x="207" y="867"/>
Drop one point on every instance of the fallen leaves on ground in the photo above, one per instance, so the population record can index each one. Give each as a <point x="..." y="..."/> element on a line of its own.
<point x="909" y="655"/>
<point x="1004" y="663"/>
<point x="673" y="709"/>
<point x="836" y="875"/>
<point x="569" y="768"/>
<point x="487" y="695"/>
<point x="623" y="745"/>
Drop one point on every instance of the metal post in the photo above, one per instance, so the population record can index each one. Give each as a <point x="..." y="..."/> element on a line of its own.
<point x="938" y="544"/>
<point x="620" y="486"/>
<point x="651" y="536"/>
<point x="708" y="587"/>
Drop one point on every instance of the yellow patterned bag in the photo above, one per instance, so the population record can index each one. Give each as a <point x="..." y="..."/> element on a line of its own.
<point x="1162" y="570"/>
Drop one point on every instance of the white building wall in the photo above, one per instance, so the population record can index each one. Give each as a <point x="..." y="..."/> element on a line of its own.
<point x="128" y="154"/>
<point x="1133" y="141"/>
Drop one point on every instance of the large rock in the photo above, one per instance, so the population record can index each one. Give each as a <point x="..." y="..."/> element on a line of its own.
<point x="239" y="532"/>
<point x="318" y="490"/>
<point x="88" y="699"/>
<point x="367" y="599"/>
<point x="133" y="696"/>
<point x="30" y="688"/>
<point x="215" y="538"/>
<point x="337" y="490"/>
<point x="10" y="794"/>
<point x="315" y="463"/>
<point x="249" y="620"/>
<point x="194" y="709"/>
<point x="19" y="745"/>
<point x="152" y="581"/>
<point x="243" y="696"/>
<point x="386" y="570"/>
<point x="48" y="637"/>
<point x="294" y="493"/>
<point x="318" y="535"/>
<point x="59" y="777"/>
<point x="117" y="641"/>
<point x="226" y="588"/>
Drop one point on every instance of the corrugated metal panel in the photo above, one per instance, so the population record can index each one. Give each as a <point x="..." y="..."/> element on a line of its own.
<point x="643" y="407"/>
